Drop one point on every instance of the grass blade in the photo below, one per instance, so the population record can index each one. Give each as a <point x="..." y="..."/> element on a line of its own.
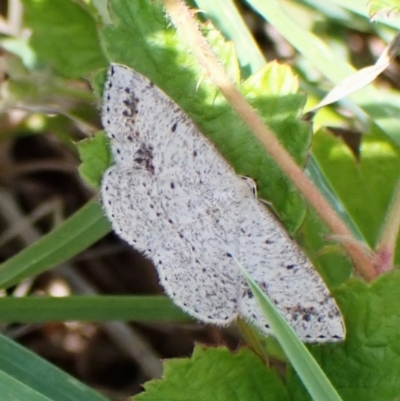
<point x="81" y="230"/>
<point x="312" y="376"/>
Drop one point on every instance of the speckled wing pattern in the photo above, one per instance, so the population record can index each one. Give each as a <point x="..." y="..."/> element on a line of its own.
<point x="172" y="196"/>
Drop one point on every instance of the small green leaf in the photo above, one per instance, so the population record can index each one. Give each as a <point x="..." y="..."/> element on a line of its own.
<point x="216" y="374"/>
<point x="95" y="157"/>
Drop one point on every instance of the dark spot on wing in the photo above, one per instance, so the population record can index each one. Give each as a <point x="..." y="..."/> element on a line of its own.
<point x="144" y="157"/>
<point x="130" y="104"/>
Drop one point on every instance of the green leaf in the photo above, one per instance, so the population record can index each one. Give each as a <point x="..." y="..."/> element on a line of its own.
<point x="81" y="230"/>
<point x="64" y="35"/>
<point x="358" y="184"/>
<point x="367" y="365"/>
<point x="24" y="376"/>
<point x="95" y="156"/>
<point x="216" y="374"/>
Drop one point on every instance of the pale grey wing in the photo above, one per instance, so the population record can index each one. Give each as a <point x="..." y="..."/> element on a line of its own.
<point x="197" y="274"/>
<point x="129" y="199"/>
<point x="137" y="118"/>
<point x="152" y="141"/>
<point x="189" y="252"/>
<point x="148" y="130"/>
<point x="282" y="270"/>
<point x="194" y="260"/>
<point x="120" y="112"/>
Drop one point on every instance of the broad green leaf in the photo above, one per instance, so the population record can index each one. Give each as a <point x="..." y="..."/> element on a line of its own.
<point x="64" y="35"/>
<point x="216" y="374"/>
<point x="364" y="187"/>
<point x="81" y="230"/>
<point x="89" y="308"/>
<point x="367" y="365"/>
<point x="24" y="376"/>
